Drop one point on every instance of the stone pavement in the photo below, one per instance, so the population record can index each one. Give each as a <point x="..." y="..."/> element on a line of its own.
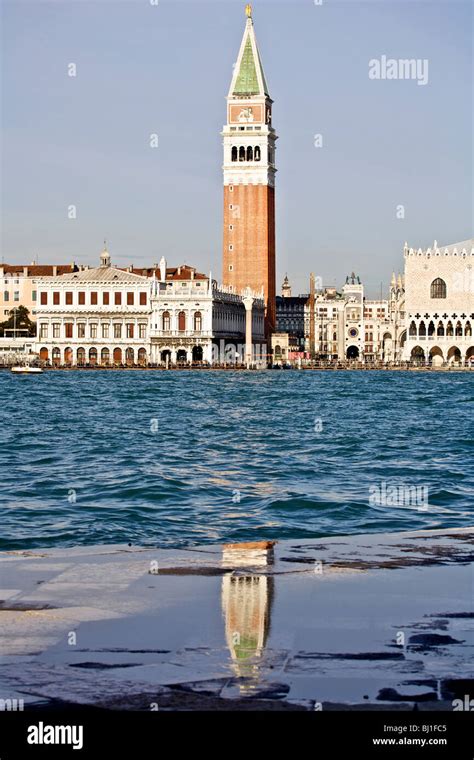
<point x="379" y="621"/>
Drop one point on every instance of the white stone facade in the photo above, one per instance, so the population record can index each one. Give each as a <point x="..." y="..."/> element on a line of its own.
<point x="181" y="317"/>
<point x="347" y="326"/>
<point x="110" y="316"/>
<point x="439" y="304"/>
<point x="93" y="316"/>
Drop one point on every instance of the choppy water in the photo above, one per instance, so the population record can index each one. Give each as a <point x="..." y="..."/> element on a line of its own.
<point x="173" y="458"/>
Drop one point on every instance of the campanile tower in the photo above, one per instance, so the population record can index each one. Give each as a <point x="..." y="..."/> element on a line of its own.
<point x="249" y="179"/>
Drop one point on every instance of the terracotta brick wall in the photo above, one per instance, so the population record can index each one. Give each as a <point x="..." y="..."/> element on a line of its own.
<point x="253" y="239"/>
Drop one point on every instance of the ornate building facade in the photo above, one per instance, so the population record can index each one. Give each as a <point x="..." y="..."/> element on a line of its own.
<point x="439" y="304"/>
<point x="97" y="315"/>
<point x="249" y="179"/>
<point x="347" y="326"/>
<point x="160" y="315"/>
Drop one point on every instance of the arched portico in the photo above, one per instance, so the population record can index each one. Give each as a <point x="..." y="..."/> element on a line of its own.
<point x="454" y="355"/>
<point x="417" y="355"/>
<point x="436" y="356"/>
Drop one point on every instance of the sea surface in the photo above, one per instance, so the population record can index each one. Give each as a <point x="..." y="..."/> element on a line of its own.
<point x="174" y="458"/>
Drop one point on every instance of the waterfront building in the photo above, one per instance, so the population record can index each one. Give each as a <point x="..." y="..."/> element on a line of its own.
<point x="97" y="315"/>
<point x="138" y="316"/>
<point x="19" y="284"/>
<point x="249" y="179"/>
<point x="439" y="303"/>
<point x="347" y="326"/>
<point x="290" y="318"/>
<point x="194" y="320"/>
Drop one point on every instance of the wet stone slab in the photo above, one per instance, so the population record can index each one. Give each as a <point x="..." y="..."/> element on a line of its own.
<point x="364" y="622"/>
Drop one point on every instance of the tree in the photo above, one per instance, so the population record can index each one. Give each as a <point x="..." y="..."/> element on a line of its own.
<point x="21" y="321"/>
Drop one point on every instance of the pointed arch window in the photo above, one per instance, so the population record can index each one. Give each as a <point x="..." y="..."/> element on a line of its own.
<point x="431" y="328"/>
<point x="438" y="288"/>
<point x="458" y="329"/>
<point x="449" y="330"/>
<point x="422" y="329"/>
<point x="412" y="328"/>
<point x="440" y="330"/>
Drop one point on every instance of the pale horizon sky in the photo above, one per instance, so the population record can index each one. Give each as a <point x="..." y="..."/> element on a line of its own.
<point x="166" y="69"/>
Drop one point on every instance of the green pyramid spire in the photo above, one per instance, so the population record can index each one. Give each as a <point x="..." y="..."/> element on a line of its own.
<point x="250" y="79"/>
<point x="247" y="82"/>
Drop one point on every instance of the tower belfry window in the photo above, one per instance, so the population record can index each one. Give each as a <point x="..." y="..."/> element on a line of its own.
<point x="241" y="153"/>
<point x="234" y="153"/>
<point x="257" y="153"/>
<point x="249" y="153"/>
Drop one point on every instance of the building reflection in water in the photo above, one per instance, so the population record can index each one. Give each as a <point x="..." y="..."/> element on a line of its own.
<point x="246" y="604"/>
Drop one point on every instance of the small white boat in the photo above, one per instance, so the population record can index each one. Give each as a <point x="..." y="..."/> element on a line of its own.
<point x="26" y="369"/>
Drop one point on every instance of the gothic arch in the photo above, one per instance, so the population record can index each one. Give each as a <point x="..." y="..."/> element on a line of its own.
<point x="417" y="355"/>
<point x="436" y="356"/>
<point x="438" y="288"/>
<point x="453" y="355"/>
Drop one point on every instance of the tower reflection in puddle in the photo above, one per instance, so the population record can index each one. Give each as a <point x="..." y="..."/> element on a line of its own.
<point x="246" y="604"/>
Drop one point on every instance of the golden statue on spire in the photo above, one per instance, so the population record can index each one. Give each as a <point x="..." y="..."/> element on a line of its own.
<point x="248" y="10"/>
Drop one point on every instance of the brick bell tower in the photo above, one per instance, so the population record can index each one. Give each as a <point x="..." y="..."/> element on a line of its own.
<point x="249" y="179"/>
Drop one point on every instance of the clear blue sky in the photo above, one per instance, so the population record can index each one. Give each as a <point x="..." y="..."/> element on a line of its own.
<point x="166" y="69"/>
